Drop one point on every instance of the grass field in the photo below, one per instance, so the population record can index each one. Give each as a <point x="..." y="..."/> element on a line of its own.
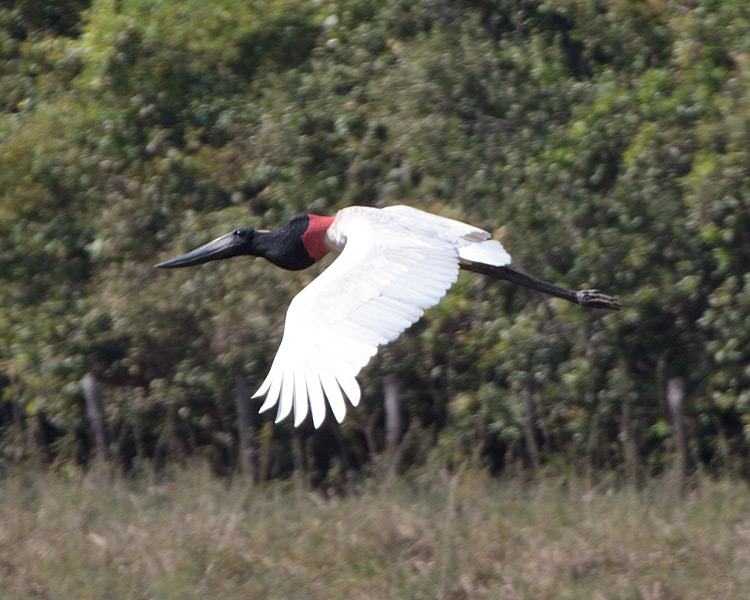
<point x="435" y="536"/>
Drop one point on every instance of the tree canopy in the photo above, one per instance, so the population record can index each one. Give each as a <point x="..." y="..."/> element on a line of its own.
<point x="606" y="143"/>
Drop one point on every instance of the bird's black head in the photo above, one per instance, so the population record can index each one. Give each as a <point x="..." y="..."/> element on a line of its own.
<point x="238" y="242"/>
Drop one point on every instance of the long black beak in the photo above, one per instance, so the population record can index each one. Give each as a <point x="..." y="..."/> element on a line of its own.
<point x="225" y="246"/>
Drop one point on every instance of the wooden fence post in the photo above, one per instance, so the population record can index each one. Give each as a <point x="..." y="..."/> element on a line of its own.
<point x="676" y="404"/>
<point x="94" y="416"/>
<point x="244" y="427"/>
<point x="528" y="426"/>
<point x="392" y="399"/>
<point x="629" y="447"/>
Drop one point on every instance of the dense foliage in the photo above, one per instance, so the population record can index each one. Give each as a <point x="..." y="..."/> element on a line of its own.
<point x="605" y="142"/>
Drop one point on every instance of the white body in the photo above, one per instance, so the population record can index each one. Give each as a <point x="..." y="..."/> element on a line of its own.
<point x="395" y="262"/>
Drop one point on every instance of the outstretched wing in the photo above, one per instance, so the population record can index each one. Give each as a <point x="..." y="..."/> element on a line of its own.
<point x="380" y="284"/>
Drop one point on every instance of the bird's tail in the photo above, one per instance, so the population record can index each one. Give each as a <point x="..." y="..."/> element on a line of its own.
<point x="587" y="298"/>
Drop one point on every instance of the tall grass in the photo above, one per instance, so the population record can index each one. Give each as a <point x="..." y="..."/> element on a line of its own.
<point x="448" y="536"/>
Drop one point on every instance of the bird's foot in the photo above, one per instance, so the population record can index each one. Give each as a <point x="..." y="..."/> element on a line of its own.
<point x="595" y="299"/>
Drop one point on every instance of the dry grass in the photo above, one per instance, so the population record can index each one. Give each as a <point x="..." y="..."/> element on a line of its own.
<point x="432" y="537"/>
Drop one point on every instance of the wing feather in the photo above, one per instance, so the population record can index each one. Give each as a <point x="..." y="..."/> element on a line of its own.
<point x="351" y="388"/>
<point x="317" y="399"/>
<point x="287" y="395"/>
<point x="333" y="393"/>
<point x="381" y="284"/>
<point x="301" y="392"/>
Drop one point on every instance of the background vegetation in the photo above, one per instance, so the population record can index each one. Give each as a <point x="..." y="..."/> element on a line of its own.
<point x="430" y="536"/>
<point x="605" y="142"/>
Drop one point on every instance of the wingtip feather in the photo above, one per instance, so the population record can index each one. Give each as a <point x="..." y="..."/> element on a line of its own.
<point x="351" y="389"/>
<point x="317" y="399"/>
<point x="301" y="403"/>
<point x="287" y="396"/>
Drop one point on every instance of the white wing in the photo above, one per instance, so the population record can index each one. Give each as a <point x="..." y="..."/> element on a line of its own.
<point x="474" y="244"/>
<point x="385" y="277"/>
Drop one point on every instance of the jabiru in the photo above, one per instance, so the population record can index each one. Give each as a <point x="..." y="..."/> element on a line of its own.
<point x="394" y="263"/>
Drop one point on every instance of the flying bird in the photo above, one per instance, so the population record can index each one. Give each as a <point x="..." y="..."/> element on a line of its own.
<point x="394" y="263"/>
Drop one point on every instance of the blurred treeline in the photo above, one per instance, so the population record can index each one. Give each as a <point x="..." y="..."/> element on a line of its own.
<point x="606" y="143"/>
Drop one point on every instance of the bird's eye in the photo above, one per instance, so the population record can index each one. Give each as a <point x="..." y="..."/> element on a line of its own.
<point x="240" y="233"/>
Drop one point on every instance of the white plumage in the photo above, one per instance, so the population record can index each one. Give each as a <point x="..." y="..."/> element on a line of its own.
<point x="394" y="263"/>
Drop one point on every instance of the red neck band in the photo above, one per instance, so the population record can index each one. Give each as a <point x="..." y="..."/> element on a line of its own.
<point x="314" y="236"/>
